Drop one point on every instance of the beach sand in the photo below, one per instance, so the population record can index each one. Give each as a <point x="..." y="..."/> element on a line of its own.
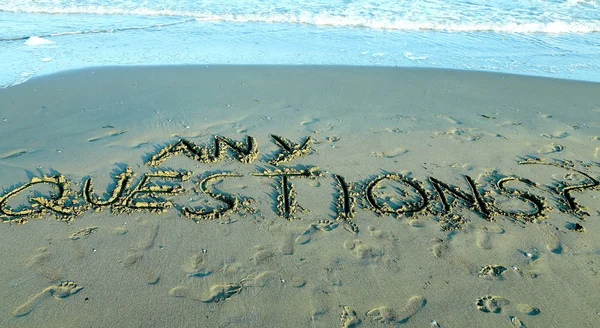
<point x="340" y="197"/>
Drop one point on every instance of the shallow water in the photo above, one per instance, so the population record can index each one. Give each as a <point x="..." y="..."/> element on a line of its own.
<point x="548" y="38"/>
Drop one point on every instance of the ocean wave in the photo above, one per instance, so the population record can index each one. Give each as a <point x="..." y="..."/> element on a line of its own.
<point x="94" y="31"/>
<point x="436" y="18"/>
<point x="553" y="27"/>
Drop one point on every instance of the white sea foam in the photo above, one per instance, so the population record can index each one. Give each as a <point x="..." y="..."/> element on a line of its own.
<point x="37" y="41"/>
<point x="590" y="3"/>
<point x="509" y="27"/>
<point x="413" y="57"/>
<point x="568" y="16"/>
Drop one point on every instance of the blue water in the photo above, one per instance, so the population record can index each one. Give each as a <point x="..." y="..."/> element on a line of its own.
<point x="559" y="38"/>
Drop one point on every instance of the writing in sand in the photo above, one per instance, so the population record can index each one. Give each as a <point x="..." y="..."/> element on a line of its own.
<point x="412" y="197"/>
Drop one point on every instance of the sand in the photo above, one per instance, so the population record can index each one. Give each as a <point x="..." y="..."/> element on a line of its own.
<point x="235" y="196"/>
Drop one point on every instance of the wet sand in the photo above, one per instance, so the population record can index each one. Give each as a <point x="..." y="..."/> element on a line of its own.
<point x="266" y="196"/>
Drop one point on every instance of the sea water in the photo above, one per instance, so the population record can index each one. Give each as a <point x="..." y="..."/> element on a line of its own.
<point x="555" y="38"/>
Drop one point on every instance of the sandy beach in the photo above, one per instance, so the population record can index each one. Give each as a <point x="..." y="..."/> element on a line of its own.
<point x="295" y="196"/>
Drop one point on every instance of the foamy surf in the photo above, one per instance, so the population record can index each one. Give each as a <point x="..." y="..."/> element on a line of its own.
<point x="438" y="18"/>
<point x="37" y="41"/>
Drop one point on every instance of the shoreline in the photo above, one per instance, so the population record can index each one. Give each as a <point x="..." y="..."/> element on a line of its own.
<point x="308" y="66"/>
<point x="357" y="66"/>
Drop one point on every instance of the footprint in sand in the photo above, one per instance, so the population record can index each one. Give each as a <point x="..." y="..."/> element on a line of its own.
<point x="483" y="240"/>
<point x="382" y="234"/>
<point x="134" y="259"/>
<point x="382" y="314"/>
<point x="498" y="304"/>
<point x="365" y="252"/>
<point x="349" y="318"/>
<point x="550" y="148"/>
<point x="387" y="315"/>
<point x="83" y="233"/>
<point x="492" y="271"/>
<point x="80" y="235"/>
<point x="466" y="134"/>
<point x="556" y="135"/>
<point x="62" y="290"/>
<point x="439" y="247"/>
<point x="118" y="231"/>
<point x="221" y="292"/>
<point x="261" y="256"/>
<point x="321" y="225"/>
<point x="527" y="309"/>
<point x="553" y="244"/>
<point x="179" y="292"/>
<point x="484" y="237"/>
<point x="195" y="266"/>
<point x="287" y="244"/>
<point x="390" y="154"/>
<point x="516" y="322"/>
<point x="39" y="264"/>
<point x="524" y="309"/>
<point x="150" y="236"/>
<point x="108" y="135"/>
<point x="491" y="304"/>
